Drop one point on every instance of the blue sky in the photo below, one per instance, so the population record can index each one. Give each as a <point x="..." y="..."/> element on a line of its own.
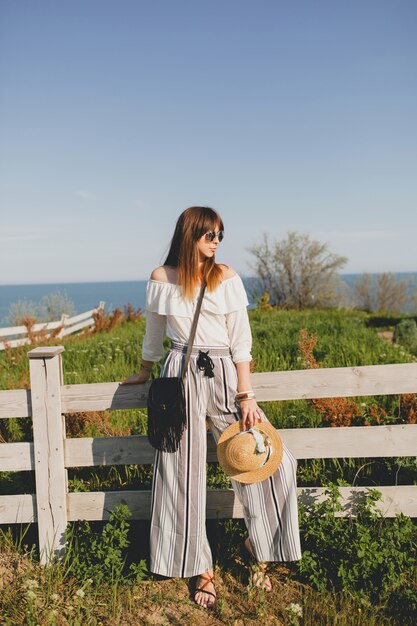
<point x="117" y="115"/>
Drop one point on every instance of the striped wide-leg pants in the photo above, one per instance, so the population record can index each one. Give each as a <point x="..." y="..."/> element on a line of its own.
<point x="178" y="542"/>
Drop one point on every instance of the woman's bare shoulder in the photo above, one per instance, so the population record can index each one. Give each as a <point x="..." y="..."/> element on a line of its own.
<point x="228" y="272"/>
<point x="164" y="274"/>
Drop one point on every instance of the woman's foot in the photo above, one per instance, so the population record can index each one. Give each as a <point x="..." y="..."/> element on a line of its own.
<point x="258" y="569"/>
<point x="205" y="592"/>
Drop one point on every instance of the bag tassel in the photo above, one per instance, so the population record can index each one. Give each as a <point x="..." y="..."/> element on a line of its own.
<point x="165" y="433"/>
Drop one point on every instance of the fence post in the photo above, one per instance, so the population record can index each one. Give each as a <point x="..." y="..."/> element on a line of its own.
<point x="63" y="320"/>
<point x="45" y="365"/>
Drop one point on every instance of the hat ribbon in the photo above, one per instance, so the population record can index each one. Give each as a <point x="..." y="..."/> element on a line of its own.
<point x="260" y="443"/>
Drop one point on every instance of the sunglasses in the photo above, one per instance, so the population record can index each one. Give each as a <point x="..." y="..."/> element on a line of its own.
<point x="211" y="235"/>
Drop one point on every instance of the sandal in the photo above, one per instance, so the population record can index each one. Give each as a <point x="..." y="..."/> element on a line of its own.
<point x="257" y="569"/>
<point x="208" y="579"/>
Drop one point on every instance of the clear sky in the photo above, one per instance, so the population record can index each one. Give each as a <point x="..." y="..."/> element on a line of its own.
<point x="115" y="115"/>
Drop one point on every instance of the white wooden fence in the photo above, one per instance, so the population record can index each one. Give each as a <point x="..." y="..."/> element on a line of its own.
<point x="68" y="325"/>
<point x="51" y="453"/>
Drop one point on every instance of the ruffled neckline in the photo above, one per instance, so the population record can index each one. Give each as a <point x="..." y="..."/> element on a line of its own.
<point x="165" y="298"/>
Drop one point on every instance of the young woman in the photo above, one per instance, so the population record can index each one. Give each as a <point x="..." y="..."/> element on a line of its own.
<point x="178" y="541"/>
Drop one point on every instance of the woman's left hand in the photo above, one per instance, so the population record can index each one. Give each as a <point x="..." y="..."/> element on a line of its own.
<point x="251" y="413"/>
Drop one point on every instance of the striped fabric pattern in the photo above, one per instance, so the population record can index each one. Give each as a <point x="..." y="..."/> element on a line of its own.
<point x="178" y="542"/>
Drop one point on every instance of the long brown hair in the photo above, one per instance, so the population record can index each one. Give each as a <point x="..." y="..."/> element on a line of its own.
<point x="192" y="224"/>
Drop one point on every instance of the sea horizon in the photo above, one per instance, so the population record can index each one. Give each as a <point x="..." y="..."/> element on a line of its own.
<point x="86" y="295"/>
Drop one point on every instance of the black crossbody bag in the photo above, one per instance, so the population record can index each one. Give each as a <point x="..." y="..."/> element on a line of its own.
<point x="167" y="416"/>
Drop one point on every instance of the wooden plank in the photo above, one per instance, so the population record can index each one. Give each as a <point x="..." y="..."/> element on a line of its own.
<point x="224" y="504"/>
<point x="98" y="505"/>
<point x="68" y="330"/>
<point x="80" y="317"/>
<point x="394" y="500"/>
<point x="367" y="380"/>
<point x="68" y="321"/>
<point x="14" y="343"/>
<point x="48" y="435"/>
<point x="42" y="352"/>
<point x="333" y="382"/>
<point x="351" y="442"/>
<point x="17" y="457"/>
<point x="93" y="451"/>
<point x="304" y="443"/>
<point x="221" y="503"/>
<point x="22" y="330"/>
<point x="15" y="403"/>
<point x="20" y="509"/>
<point x="103" y="397"/>
<point x="65" y="330"/>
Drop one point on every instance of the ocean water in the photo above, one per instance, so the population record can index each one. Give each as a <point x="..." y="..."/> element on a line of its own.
<point x="86" y="296"/>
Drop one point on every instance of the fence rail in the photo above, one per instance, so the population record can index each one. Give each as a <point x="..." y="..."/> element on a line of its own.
<point x="67" y="325"/>
<point x="51" y="453"/>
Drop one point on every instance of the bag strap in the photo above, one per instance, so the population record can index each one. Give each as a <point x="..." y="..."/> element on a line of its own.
<point x="193" y="329"/>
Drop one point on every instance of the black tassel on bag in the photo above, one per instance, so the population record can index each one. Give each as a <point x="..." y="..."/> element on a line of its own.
<point x="167" y="415"/>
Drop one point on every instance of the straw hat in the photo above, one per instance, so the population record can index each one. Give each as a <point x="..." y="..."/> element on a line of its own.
<point x="252" y="455"/>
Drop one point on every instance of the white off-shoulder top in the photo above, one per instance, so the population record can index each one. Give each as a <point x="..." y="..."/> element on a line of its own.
<point x="223" y="319"/>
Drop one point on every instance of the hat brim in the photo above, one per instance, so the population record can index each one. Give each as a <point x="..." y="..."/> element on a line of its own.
<point x="261" y="473"/>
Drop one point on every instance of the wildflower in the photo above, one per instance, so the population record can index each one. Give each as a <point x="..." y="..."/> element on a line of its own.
<point x="90" y="581"/>
<point x="54" y="597"/>
<point x="31" y="595"/>
<point x="30" y="583"/>
<point x="295" y="609"/>
<point x="80" y="593"/>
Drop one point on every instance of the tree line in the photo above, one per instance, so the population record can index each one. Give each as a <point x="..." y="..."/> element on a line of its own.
<point x="298" y="272"/>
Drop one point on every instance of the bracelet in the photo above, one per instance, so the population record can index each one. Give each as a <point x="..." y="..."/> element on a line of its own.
<point x="239" y="393"/>
<point x="245" y="394"/>
<point x="143" y="367"/>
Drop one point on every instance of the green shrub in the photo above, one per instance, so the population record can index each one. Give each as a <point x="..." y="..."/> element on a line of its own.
<point x="101" y="555"/>
<point x="405" y="333"/>
<point x="369" y="555"/>
<point x="50" y="308"/>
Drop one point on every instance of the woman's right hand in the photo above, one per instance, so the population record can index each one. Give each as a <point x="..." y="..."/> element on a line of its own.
<point x="135" y="379"/>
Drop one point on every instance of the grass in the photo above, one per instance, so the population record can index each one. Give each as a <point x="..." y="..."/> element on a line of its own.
<point x="344" y="339"/>
<point x="34" y="595"/>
